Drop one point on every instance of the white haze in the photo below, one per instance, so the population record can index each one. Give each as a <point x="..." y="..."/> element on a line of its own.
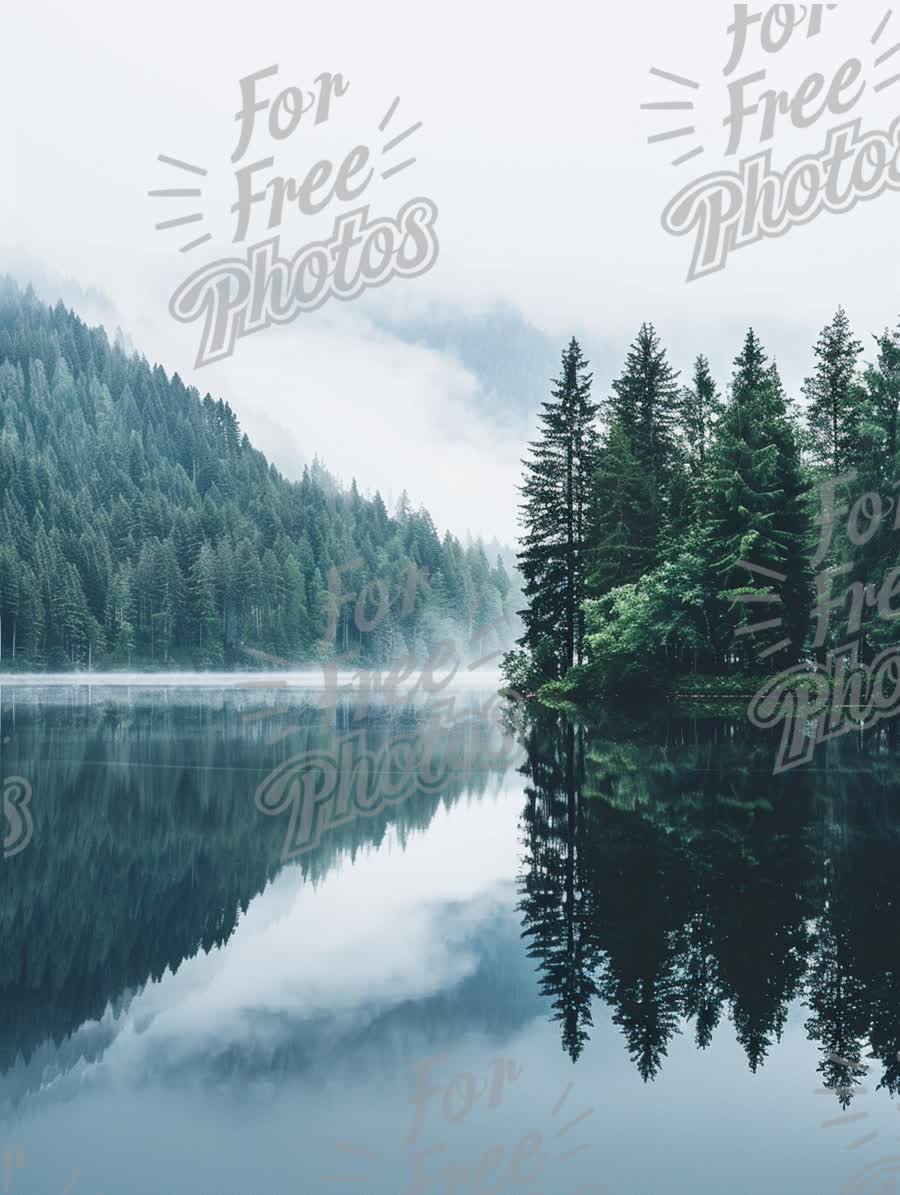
<point x="535" y="150"/>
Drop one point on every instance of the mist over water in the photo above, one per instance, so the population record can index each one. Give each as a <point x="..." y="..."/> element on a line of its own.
<point x="486" y="677"/>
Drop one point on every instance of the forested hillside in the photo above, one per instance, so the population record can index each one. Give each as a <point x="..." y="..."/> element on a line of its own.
<point x="140" y="528"/>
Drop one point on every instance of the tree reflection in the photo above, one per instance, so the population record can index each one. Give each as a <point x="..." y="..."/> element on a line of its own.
<point x="669" y="873"/>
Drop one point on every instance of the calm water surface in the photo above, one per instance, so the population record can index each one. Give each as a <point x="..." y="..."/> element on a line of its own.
<point x="615" y="958"/>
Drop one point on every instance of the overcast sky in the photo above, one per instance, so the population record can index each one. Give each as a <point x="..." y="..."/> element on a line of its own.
<point x="534" y="148"/>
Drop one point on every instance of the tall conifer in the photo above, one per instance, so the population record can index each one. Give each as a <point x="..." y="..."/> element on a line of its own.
<point x="701" y="407"/>
<point x="757" y="516"/>
<point x="834" y="396"/>
<point x="553" y="559"/>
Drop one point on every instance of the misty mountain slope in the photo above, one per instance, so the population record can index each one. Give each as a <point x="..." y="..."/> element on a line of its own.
<point x="139" y="526"/>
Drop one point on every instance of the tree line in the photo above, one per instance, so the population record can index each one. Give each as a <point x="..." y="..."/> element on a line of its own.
<point x="139" y="528"/>
<point x="672" y="528"/>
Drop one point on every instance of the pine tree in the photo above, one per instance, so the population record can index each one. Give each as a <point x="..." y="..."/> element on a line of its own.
<point x="835" y="398"/>
<point x="756" y="516"/>
<point x="622" y="531"/>
<point x="10" y="598"/>
<point x="645" y="405"/>
<point x="700" y="409"/>
<point x="553" y="559"/>
<point x="645" y="402"/>
<point x="875" y="466"/>
<point x="882" y="404"/>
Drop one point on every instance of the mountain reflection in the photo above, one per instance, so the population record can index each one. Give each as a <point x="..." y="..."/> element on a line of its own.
<point x="670" y="874"/>
<point x="148" y="846"/>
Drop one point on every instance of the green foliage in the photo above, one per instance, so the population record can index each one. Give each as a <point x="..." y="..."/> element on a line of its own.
<point x="556" y="497"/>
<point x="757" y="513"/>
<point x="643" y="444"/>
<point x="526" y="672"/>
<point x="622" y="523"/>
<point x="139" y="527"/>
<point x="700" y="410"/>
<point x="701" y="545"/>
<point x="835" y="397"/>
<point x="645" y="403"/>
<point x="640" y="634"/>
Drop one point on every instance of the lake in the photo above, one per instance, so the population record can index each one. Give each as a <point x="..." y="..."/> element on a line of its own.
<point x="258" y="942"/>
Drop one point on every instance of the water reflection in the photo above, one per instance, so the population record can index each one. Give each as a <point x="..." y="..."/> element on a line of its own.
<point x="643" y="894"/>
<point x="670" y="874"/>
<point x="148" y="846"/>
